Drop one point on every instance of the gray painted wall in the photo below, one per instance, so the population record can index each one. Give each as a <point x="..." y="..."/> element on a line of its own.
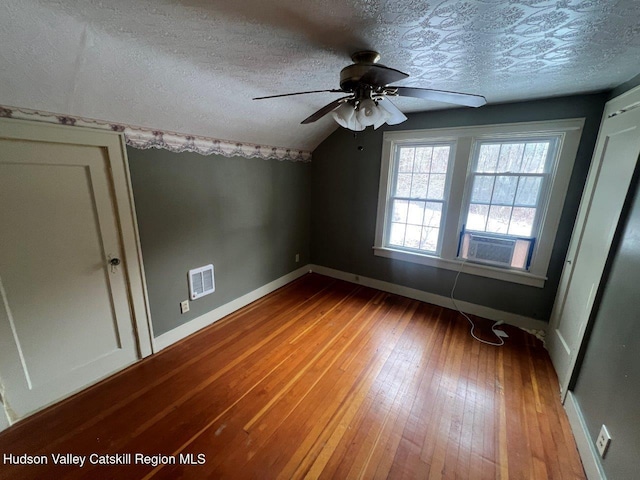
<point x="608" y="385"/>
<point x="249" y="217"/>
<point x="345" y="192"/>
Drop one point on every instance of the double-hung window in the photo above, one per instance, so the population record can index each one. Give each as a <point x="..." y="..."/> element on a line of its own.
<point x="488" y="196"/>
<point x="418" y="196"/>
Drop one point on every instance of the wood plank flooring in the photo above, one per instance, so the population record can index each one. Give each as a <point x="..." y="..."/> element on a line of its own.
<point x="320" y="379"/>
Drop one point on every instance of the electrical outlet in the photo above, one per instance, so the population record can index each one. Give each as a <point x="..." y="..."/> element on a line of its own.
<point x="184" y="306"/>
<point x="297" y="257"/>
<point x="603" y="441"/>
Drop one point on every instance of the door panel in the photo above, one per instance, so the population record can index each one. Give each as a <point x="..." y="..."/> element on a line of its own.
<point x="65" y="320"/>
<point x="609" y="180"/>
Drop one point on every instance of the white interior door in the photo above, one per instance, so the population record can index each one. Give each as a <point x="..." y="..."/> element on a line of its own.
<point x="609" y="179"/>
<point x="65" y="316"/>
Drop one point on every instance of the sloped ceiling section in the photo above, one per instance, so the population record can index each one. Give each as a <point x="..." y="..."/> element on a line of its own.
<point x="192" y="66"/>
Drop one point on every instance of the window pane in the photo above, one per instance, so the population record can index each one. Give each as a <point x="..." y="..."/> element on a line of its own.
<point x="498" y="221"/>
<point x="429" y="240"/>
<point x="421" y="174"/>
<point x="510" y="157"/>
<point x="482" y="189"/>
<point x="406" y="159"/>
<point x="504" y="191"/>
<point x="423" y="159"/>
<point x="436" y="186"/>
<point x="400" y="209"/>
<point x="535" y="156"/>
<point x="396" y="236"/>
<point x="528" y="190"/>
<point x="477" y="217"/>
<point x="412" y="236"/>
<point x="419" y="185"/>
<point x="416" y="213"/>
<point x="522" y="221"/>
<point x="432" y="214"/>
<point x="403" y="186"/>
<point x="488" y="158"/>
<point x="440" y="159"/>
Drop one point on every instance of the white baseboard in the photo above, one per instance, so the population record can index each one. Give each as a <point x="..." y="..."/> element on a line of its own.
<point x="516" y="320"/>
<point x="169" y="338"/>
<point x="587" y="449"/>
<point x="178" y="333"/>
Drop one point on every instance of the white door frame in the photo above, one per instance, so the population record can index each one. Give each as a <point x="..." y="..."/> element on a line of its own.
<point x="116" y="157"/>
<point x="4" y="419"/>
<point x="614" y="107"/>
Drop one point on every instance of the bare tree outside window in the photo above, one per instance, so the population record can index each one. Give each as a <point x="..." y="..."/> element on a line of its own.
<point x="418" y="196"/>
<point x="506" y="186"/>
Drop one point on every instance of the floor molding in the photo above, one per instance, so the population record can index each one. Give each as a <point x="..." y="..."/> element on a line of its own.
<point x="169" y="338"/>
<point x="514" y="319"/>
<point x="172" y="336"/>
<point x="586" y="448"/>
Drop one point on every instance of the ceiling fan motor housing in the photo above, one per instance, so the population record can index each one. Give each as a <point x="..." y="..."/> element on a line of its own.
<point x="350" y="77"/>
<point x="367" y="73"/>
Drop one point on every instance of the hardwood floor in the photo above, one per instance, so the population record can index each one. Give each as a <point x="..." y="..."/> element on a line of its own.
<point x="321" y="379"/>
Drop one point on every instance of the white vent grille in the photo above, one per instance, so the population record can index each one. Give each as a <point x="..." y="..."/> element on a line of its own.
<point x="201" y="281"/>
<point x="496" y="251"/>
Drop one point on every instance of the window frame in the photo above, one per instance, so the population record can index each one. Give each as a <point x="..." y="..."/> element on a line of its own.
<point x="390" y="196"/>
<point x="546" y="177"/>
<point x="464" y="139"/>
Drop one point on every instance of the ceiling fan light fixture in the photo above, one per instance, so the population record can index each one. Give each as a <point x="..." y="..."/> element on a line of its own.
<point x="345" y="115"/>
<point x="366" y="112"/>
<point x="369" y="113"/>
<point x="383" y="116"/>
<point x="358" y="117"/>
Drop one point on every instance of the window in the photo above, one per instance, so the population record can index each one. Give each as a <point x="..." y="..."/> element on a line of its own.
<point x="507" y="183"/>
<point x="488" y="196"/>
<point x="417" y="197"/>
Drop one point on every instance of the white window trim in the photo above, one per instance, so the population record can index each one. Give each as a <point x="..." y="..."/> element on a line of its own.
<point x="464" y="138"/>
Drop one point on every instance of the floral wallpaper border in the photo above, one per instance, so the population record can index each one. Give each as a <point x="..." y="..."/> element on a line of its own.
<point x="144" y="138"/>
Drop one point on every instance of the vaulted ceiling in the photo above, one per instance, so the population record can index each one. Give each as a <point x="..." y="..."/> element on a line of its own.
<point x="192" y="66"/>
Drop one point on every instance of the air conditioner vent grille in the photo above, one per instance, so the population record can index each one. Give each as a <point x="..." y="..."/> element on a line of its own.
<point x="201" y="281"/>
<point x="491" y="250"/>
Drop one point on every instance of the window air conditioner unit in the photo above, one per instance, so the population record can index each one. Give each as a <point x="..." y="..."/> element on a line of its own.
<point x="491" y="250"/>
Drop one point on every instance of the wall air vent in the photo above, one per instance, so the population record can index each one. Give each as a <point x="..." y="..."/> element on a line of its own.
<point x="491" y="250"/>
<point x="201" y="282"/>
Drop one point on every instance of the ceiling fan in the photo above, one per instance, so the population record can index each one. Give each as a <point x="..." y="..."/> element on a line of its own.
<point x="366" y="83"/>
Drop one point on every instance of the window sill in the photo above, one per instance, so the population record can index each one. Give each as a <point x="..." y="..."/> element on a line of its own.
<point x="523" y="278"/>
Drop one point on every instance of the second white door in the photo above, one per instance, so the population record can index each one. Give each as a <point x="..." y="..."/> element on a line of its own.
<point x="614" y="162"/>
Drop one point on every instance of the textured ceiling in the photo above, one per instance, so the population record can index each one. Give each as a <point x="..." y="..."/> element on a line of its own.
<point x="192" y="66"/>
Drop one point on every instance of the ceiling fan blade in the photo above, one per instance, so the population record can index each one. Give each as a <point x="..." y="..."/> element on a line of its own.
<point x="396" y="115"/>
<point x="298" y="93"/>
<point x="379" y="75"/>
<point x="456" y="98"/>
<point x="326" y="109"/>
